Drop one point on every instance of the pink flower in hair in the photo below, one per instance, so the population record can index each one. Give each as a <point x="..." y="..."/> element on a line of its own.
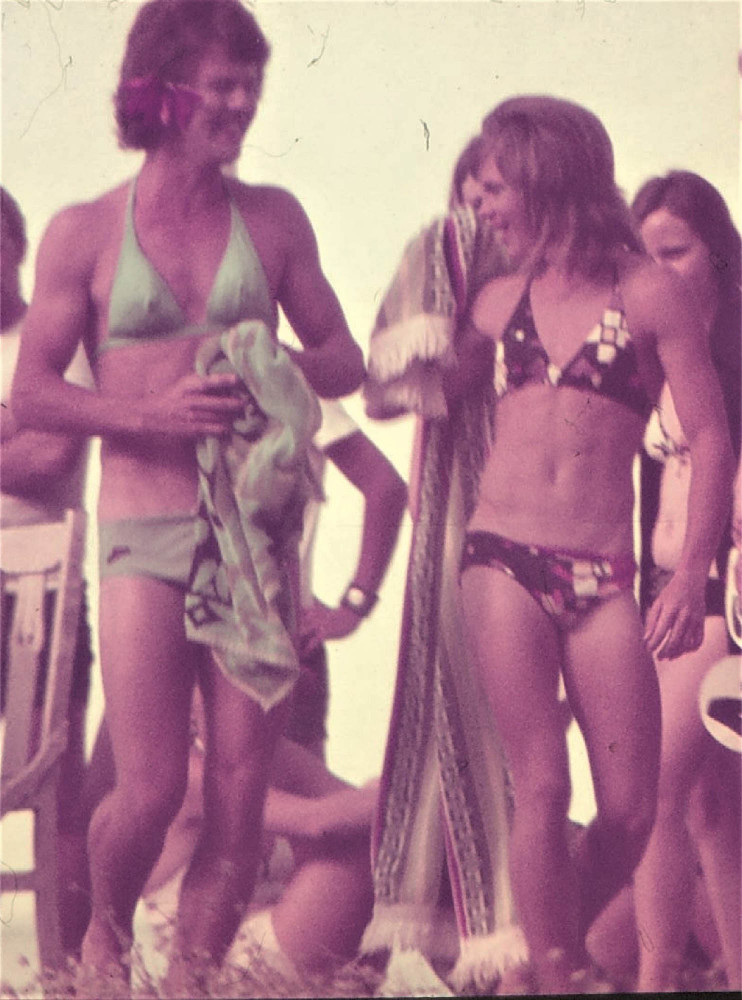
<point x="155" y="102"/>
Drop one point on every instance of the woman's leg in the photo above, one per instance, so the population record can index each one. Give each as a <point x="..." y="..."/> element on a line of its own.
<point x="665" y="878"/>
<point x="715" y="824"/>
<point x="519" y="656"/>
<point x="612" y="941"/>
<point x="612" y="688"/>
<point x="240" y="743"/>
<point x="148" y="670"/>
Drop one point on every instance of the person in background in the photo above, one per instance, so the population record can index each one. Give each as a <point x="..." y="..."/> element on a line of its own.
<point x="313" y="897"/>
<point x="42" y="475"/>
<point x="466" y="188"/>
<point x="342" y="442"/>
<point x="204" y="423"/>
<point x="685" y="225"/>
<point x="440" y="910"/>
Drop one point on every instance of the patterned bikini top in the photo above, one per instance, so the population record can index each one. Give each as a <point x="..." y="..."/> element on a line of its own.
<point x="659" y="444"/>
<point x="605" y="363"/>
<point x="143" y="308"/>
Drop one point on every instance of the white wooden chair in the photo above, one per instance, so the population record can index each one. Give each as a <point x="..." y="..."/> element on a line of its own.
<point x="36" y="560"/>
<point x="733" y="598"/>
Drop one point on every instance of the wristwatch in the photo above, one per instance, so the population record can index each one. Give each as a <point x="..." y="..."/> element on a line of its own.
<point x="357" y="600"/>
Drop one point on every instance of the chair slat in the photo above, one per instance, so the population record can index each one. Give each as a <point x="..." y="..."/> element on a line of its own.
<point x="35" y="561"/>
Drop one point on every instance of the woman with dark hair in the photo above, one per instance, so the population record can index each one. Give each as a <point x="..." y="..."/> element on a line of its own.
<point x="585" y="330"/>
<point x="172" y="281"/>
<point x="685" y="224"/>
<point x="465" y="188"/>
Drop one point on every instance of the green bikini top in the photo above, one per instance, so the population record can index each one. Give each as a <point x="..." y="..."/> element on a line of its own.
<point x="142" y="307"/>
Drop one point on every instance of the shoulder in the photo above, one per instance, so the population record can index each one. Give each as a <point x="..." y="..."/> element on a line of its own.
<point x="76" y="235"/>
<point x="267" y="200"/>
<point x="647" y="283"/>
<point x="655" y="297"/>
<point x="496" y="302"/>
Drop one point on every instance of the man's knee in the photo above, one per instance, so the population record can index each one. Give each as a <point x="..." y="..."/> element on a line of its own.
<point x="151" y="801"/>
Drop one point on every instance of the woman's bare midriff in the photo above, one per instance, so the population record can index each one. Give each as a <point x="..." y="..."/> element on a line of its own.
<point x="668" y="535"/>
<point x="559" y="473"/>
<point x="153" y="475"/>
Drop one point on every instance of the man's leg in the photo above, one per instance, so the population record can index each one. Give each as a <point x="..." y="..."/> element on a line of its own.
<point x="148" y="672"/>
<point x="240" y="743"/>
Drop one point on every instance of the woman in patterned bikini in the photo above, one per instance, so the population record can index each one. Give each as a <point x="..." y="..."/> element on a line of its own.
<point x="585" y="330"/>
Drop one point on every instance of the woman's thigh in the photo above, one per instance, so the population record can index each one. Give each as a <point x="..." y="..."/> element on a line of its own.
<point x="612" y="688"/>
<point x="519" y="657"/>
<point x="148" y="670"/>
<point x="685" y="742"/>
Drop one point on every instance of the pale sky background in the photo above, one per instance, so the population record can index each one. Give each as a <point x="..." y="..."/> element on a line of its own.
<point x="365" y="109"/>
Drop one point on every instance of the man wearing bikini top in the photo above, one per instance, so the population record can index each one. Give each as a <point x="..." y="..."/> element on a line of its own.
<point x="141" y="276"/>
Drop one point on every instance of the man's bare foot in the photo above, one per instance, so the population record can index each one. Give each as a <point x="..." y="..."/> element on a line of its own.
<point x="189" y="975"/>
<point x="105" y="966"/>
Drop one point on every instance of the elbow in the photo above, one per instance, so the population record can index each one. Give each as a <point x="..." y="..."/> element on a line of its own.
<point x="392" y="497"/>
<point x="351" y="371"/>
<point x="397" y="496"/>
<point x="712" y="447"/>
<point x="22" y="405"/>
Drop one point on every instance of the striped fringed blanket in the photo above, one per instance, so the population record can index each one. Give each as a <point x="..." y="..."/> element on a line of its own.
<point x="253" y="487"/>
<point x="443" y="804"/>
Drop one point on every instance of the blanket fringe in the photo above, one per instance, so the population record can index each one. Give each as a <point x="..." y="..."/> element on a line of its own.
<point x="419" y="338"/>
<point x="483" y="960"/>
<point x="418" y="391"/>
<point x="401" y="927"/>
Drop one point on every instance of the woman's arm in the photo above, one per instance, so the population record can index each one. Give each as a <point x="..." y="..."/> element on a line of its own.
<point x="661" y="302"/>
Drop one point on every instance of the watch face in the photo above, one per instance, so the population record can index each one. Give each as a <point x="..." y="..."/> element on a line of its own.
<point x="355" y="597"/>
<point x="358" y="600"/>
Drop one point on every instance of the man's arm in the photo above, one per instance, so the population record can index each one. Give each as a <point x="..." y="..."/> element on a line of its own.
<point x="385" y="499"/>
<point x="675" y="621"/>
<point x="60" y="316"/>
<point x="32" y="462"/>
<point x="331" y="360"/>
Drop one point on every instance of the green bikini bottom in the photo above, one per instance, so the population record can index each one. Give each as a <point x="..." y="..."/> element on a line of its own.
<point x="161" y="547"/>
